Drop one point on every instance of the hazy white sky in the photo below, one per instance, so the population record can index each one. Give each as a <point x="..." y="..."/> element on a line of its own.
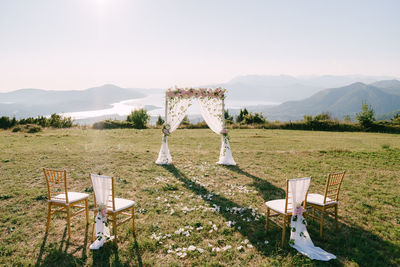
<point x="76" y="44"/>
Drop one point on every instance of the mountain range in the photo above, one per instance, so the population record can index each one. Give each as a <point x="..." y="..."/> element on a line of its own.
<point x="33" y="102"/>
<point x="382" y="96"/>
<point x="298" y="96"/>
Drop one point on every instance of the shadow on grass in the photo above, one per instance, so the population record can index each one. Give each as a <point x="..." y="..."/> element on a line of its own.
<point x="351" y="243"/>
<point x="58" y="254"/>
<point x="108" y="255"/>
<point x="267" y="190"/>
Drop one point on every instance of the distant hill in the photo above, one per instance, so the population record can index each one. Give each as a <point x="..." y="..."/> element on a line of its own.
<point x="383" y="96"/>
<point x="33" y="102"/>
<point x="280" y="88"/>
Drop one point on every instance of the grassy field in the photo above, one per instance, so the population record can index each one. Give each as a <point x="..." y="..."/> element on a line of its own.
<point x="190" y="203"/>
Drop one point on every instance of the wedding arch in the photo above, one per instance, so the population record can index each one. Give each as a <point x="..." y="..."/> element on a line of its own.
<point x="211" y="103"/>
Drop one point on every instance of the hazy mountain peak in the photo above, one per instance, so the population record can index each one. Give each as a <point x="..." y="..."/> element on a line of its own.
<point x="387" y="83"/>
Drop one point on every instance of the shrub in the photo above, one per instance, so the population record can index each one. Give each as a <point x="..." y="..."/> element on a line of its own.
<point x="139" y="118"/>
<point x="256" y="118"/>
<point x="34" y="129"/>
<point x="112" y="124"/>
<point x="6" y="123"/>
<point x="16" y="129"/>
<point x="57" y="121"/>
<point x="185" y="121"/>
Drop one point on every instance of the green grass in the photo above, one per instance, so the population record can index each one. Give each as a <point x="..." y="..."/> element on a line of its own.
<point x="186" y="194"/>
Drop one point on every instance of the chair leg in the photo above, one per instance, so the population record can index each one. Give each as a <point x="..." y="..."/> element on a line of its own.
<point x="114" y="223"/>
<point x="283" y="231"/>
<point x="69" y="221"/>
<point x="87" y="211"/>
<point x="336" y="217"/>
<point x="321" y="222"/>
<point x="133" y="219"/>
<point x="48" y="218"/>
<point x="267" y="223"/>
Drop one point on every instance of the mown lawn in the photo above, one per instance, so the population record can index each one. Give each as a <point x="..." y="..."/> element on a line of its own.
<point x="195" y="202"/>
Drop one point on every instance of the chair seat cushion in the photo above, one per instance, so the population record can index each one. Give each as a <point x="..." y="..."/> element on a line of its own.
<point x="72" y="197"/>
<point x="122" y="204"/>
<point x="318" y="199"/>
<point x="278" y="205"/>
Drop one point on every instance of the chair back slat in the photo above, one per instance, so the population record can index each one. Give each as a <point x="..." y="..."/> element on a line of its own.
<point x="56" y="183"/>
<point x="332" y="187"/>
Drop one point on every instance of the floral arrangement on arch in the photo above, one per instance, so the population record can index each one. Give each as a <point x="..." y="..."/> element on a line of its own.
<point x="198" y="93"/>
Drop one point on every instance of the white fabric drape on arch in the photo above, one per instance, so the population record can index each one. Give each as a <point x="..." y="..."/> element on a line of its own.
<point x="212" y="111"/>
<point x="176" y="111"/>
<point x="102" y="190"/>
<point x="299" y="236"/>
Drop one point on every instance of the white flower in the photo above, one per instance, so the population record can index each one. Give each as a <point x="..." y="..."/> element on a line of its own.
<point x="191" y="248"/>
<point x="249" y="245"/>
<point x="200" y="250"/>
<point x="266" y="242"/>
<point x="245" y="241"/>
<point x="239" y="248"/>
<point x="172" y="211"/>
<point x="199" y="228"/>
<point x="170" y="251"/>
<point x="227" y="247"/>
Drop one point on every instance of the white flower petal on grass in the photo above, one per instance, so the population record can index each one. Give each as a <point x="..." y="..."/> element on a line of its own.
<point x="170" y="251"/>
<point x="199" y="228"/>
<point x="240" y="248"/>
<point x="191" y="248"/>
<point x="226" y="247"/>
<point x="200" y="250"/>
<point x="266" y="242"/>
<point x="249" y="245"/>
<point x="245" y="241"/>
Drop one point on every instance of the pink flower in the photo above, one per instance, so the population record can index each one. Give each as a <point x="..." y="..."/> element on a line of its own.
<point x="103" y="212"/>
<point x="298" y="211"/>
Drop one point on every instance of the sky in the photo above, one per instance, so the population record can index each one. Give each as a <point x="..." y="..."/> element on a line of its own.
<point x="77" y="44"/>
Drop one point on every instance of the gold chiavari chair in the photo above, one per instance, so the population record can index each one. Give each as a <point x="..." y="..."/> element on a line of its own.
<point x="59" y="196"/>
<point x="329" y="200"/>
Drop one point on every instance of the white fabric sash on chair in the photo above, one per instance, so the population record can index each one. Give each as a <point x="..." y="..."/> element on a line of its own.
<point x="299" y="237"/>
<point x="102" y="190"/>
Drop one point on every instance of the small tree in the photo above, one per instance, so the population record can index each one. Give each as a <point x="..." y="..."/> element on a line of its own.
<point x="139" y="118"/>
<point x="396" y="119"/>
<point x="366" y="116"/>
<point x="347" y="118"/>
<point x="242" y="113"/>
<point x="159" y="121"/>
<point x="228" y="117"/>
